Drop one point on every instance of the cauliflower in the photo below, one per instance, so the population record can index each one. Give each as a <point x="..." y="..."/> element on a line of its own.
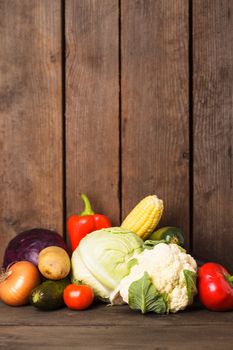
<point x="170" y="270"/>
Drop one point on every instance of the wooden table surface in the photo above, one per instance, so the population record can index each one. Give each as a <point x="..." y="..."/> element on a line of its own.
<point x="103" y="327"/>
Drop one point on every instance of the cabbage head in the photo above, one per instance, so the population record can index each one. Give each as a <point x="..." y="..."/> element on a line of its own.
<point x="103" y="258"/>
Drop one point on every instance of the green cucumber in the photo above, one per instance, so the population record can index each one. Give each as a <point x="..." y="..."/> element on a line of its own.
<point x="49" y="294"/>
<point x="169" y="234"/>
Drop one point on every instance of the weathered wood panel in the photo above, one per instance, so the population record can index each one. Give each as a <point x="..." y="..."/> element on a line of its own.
<point x="107" y="337"/>
<point x="103" y="315"/>
<point x="113" y="328"/>
<point x="30" y="117"/>
<point x="213" y="129"/>
<point x="92" y="94"/>
<point x="153" y="76"/>
<point x="155" y="144"/>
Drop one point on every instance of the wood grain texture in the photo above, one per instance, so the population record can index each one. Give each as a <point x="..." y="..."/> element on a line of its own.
<point x="113" y="328"/>
<point x="103" y="315"/>
<point x="102" y="337"/>
<point x="30" y="117"/>
<point x="213" y="129"/>
<point x="92" y="91"/>
<point x="155" y="145"/>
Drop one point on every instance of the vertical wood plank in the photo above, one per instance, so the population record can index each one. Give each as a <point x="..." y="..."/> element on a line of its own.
<point x="30" y="117"/>
<point x="213" y="129"/>
<point x="155" y="144"/>
<point x="92" y="94"/>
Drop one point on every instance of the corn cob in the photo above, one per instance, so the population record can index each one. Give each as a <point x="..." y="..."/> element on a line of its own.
<point x="143" y="219"/>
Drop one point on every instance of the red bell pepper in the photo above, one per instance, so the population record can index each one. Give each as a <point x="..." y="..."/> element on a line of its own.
<point x="215" y="287"/>
<point x="80" y="225"/>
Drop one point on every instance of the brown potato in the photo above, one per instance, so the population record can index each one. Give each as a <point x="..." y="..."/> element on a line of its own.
<point x="54" y="263"/>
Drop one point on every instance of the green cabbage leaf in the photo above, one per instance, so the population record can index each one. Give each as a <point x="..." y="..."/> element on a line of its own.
<point x="103" y="258"/>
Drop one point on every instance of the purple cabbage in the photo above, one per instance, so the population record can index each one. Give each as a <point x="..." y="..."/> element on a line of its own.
<point x="28" y="244"/>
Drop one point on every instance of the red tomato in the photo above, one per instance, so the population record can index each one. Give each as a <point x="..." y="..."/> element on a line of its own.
<point x="78" y="297"/>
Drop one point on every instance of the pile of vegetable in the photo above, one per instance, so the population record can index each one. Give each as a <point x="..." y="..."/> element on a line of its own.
<point x="133" y="264"/>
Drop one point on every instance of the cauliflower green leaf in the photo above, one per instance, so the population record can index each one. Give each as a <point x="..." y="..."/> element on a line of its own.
<point x="190" y="279"/>
<point x="150" y="243"/>
<point x="143" y="296"/>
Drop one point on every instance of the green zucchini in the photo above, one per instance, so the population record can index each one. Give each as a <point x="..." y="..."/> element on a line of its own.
<point x="169" y="234"/>
<point x="49" y="294"/>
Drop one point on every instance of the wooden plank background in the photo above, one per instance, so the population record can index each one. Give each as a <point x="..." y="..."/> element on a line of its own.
<point x="155" y="127"/>
<point x="213" y="129"/>
<point x="118" y="99"/>
<point x="92" y="105"/>
<point x="30" y="117"/>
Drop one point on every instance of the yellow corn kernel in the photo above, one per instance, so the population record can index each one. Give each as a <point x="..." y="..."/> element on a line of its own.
<point x="143" y="219"/>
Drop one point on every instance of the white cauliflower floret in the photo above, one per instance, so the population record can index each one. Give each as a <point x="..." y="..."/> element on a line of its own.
<point x="164" y="264"/>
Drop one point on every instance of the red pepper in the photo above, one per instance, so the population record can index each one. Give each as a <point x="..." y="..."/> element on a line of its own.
<point x="80" y="225"/>
<point x="215" y="287"/>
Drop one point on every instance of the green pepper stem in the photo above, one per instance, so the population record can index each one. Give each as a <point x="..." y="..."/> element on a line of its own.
<point x="87" y="206"/>
<point x="229" y="279"/>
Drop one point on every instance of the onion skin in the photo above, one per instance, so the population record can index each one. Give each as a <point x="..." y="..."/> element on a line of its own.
<point x="18" y="282"/>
